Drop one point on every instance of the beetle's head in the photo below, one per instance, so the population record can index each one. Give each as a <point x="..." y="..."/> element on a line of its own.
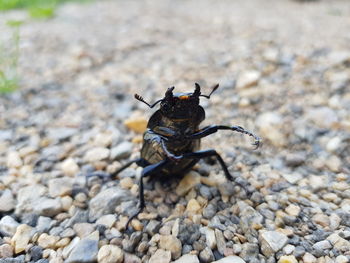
<point x="180" y="105"/>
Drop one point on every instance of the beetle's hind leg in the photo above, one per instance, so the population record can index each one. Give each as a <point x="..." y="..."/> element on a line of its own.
<point x="147" y="171"/>
<point x="106" y="176"/>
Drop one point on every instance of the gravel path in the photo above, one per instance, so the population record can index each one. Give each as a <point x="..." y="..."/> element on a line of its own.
<point x="284" y="73"/>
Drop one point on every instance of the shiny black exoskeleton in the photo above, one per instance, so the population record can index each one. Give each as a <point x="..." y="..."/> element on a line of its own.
<point x="172" y="139"/>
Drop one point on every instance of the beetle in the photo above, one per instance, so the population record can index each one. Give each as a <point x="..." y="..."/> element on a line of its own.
<point x="171" y="143"/>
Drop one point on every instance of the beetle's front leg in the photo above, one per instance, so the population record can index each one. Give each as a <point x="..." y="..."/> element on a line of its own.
<point x="214" y="128"/>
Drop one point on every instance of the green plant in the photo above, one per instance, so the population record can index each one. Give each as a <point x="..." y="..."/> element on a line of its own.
<point x="9" y="55"/>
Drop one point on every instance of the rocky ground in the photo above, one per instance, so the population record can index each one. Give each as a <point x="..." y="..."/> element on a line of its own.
<point x="284" y="73"/>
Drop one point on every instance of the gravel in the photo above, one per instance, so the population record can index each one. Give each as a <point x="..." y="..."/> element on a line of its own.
<point x="75" y="115"/>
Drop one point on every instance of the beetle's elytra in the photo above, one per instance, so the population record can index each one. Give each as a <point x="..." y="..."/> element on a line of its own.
<point x="172" y="139"/>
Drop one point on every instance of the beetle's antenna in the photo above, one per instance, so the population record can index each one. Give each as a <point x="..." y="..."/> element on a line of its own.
<point x="138" y="97"/>
<point x="214" y="89"/>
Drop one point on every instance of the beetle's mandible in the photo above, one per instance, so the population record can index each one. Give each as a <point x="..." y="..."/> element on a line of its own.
<point x="172" y="139"/>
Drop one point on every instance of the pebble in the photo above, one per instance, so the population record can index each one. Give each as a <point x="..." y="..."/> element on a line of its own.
<point x="152" y="227"/>
<point x="21" y="238"/>
<point x="323" y="117"/>
<point x="188" y="258"/>
<point x="47" y="241"/>
<point x="69" y="167"/>
<point x="85" y="251"/>
<point x="171" y="244"/>
<point x="106" y="201"/>
<point x="121" y="151"/>
<point x="7" y="201"/>
<point x="193" y="207"/>
<point x="107" y="220"/>
<point x="14" y="160"/>
<point x="110" y="254"/>
<point x="210" y="237"/>
<point x="309" y="258"/>
<point x="230" y="259"/>
<point x="248" y="79"/>
<point x="136" y="124"/>
<point x="126" y="183"/>
<point x="8" y="225"/>
<point x="341" y="259"/>
<point x="322" y="245"/>
<point x="321" y="219"/>
<point x="60" y="186"/>
<point x="83" y="229"/>
<point x="293" y="210"/>
<point x="47" y="206"/>
<point x="68" y="249"/>
<point x="6" y="251"/>
<point x="270" y="124"/>
<point x="36" y="253"/>
<point x="189" y="181"/>
<point x="206" y="255"/>
<point x="287" y="259"/>
<point x="272" y="242"/>
<point x="249" y="251"/>
<point x="220" y="240"/>
<point x="97" y="154"/>
<point x="160" y="256"/>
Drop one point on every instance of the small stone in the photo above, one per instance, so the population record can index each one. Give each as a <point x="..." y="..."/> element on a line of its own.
<point x="160" y="256"/>
<point x="47" y="206"/>
<point x="270" y="124"/>
<point x="107" y="220"/>
<point x="68" y="249"/>
<point x="309" y="258"/>
<point x="121" y="151"/>
<point x="188" y="258"/>
<point x="83" y="229"/>
<point x="187" y="183"/>
<point x="129" y="245"/>
<point x="63" y="242"/>
<point x="103" y="139"/>
<point x="47" y="241"/>
<point x="338" y="242"/>
<point x="6" y="251"/>
<point x="36" y="253"/>
<point x="287" y="259"/>
<point x="106" y="201"/>
<point x="129" y="258"/>
<point x="209" y="237"/>
<point x="248" y="79"/>
<point x="249" y="251"/>
<point x="220" y="240"/>
<point x="288" y="249"/>
<point x="21" y="238"/>
<point x="69" y="167"/>
<point x="341" y="259"/>
<point x="176" y="228"/>
<point x="333" y="144"/>
<point x="152" y="227"/>
<point x="293" y="210"/>
<point x="323" y="117"/>
<point x="60" y="186"/>
<point x="126" y="183"/>
<point x="230" y="259"/>
<point x="14" y="160"/>
<point x="171" y="244"/>
<point x="44" y="224"/>
<point x="84" y="252"/>
<point x="206" y="255"/>
<point x="193" y="206"/>
<point x="322" y="245"/>
<point x="8" y="225"/>
<point x="136" y="124"/>
<point x="97" y="154"/>
<point x="7" y="202"/>
<point x="110" y="254"/>
<point x="321" y="219"/>
<point x="272" y="242"/>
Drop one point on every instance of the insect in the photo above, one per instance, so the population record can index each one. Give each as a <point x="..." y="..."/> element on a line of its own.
<point x="171" y="143"/>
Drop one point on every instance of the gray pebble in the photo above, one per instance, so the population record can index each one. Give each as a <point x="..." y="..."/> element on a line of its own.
<point x="36" y="253"/>
<point x="121" y="151"/>
<point x="249" y="251"/>
<point x="186" y="249"/>
<point x="206" y="255"/>
<point x="210" y="210"/>
<point x="152" y="227"/>
<point x="129" y="245"/>
<point x="84" y="252"/>
<point x="299" y="251"/>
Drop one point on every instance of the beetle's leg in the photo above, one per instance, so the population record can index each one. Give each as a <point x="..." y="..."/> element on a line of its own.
<point x="147" y="171"/>
<point x="214" y="128"/>
<point x="106" y="176"/>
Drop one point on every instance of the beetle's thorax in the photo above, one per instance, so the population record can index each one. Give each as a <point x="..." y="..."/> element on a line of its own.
<point x="181" y="126"/>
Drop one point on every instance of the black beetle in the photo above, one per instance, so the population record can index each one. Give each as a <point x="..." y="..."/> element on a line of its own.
<point x="172" y="139"/>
